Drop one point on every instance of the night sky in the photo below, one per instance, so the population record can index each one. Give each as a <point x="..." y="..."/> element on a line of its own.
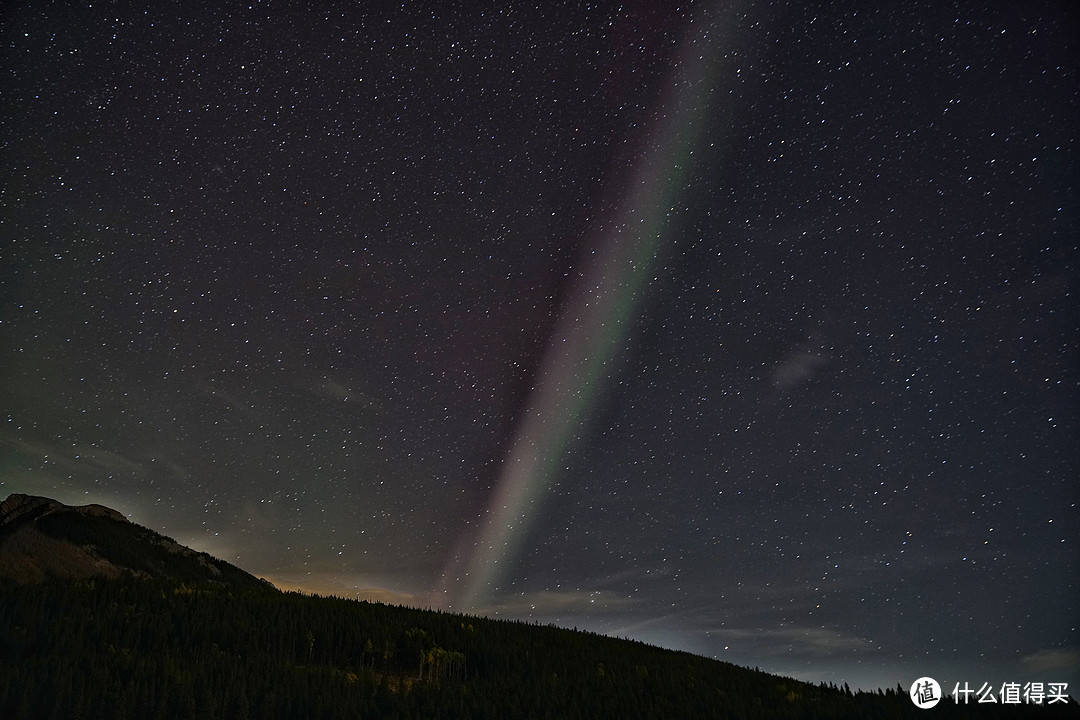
<point x="745" y="329"/>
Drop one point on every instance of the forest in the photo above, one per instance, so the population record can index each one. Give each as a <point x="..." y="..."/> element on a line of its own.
<point x="165" y="648"/>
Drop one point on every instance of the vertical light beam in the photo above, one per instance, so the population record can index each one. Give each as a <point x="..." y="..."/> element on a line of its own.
<point x="594" y="323"/>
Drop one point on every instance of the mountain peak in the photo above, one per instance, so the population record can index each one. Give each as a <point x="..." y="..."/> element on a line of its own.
<point x="41" y="537"/>
<point x="19" y="506"/>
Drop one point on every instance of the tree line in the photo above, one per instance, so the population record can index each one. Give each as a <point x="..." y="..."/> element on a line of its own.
<point x="162" y="649"/>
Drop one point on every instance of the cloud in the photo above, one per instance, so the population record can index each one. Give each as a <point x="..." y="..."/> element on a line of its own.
<point x="635" y="575"/>
<point x="820" y="641"/>
<point x="1051" y="659"/>
<point x="74" y="456"/>
<point x="799" y="641"/>
<point x="797" y="367"/>
<point x="557" y="602"/>
<point x="329" y="388"/>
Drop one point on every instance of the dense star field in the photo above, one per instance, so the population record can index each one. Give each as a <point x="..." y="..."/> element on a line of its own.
<point x="749" y="329"/>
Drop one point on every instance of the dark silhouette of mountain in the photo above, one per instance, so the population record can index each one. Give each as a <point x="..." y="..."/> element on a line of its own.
<point x="120" y="622"/>
<point x="41" y="537"/>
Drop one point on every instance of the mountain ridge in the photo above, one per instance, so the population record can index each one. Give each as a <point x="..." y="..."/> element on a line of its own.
<point x="19" y="505"/>
<point x="41" y="537"/>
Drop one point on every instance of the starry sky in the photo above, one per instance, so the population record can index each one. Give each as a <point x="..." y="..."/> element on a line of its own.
<point x="749" y="329"/>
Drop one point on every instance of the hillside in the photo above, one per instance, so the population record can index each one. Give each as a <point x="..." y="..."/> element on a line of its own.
<point x="40" y="538"/>
<point x="141" y="643"/>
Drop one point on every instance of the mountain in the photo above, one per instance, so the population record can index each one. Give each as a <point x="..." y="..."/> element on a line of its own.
<point x="41" y="537"/>
<point x="103" y="618"/>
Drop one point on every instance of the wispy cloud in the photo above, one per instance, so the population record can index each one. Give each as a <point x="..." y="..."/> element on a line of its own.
<point x="557" y="602"/>
<point x="797" y="367"/>
<point x="332" y="388"/>
<point x="233" y="402"/>
<point x="1051" y="659"/>
<point x="794" y="642"/>
<point x="74" y="456"/>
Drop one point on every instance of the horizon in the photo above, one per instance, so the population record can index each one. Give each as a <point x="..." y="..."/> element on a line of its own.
<point x="392" y="599"/>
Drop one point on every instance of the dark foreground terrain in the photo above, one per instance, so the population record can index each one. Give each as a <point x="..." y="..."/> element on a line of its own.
<point x="158" y="631"/>
<point x="150" y="648"/>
